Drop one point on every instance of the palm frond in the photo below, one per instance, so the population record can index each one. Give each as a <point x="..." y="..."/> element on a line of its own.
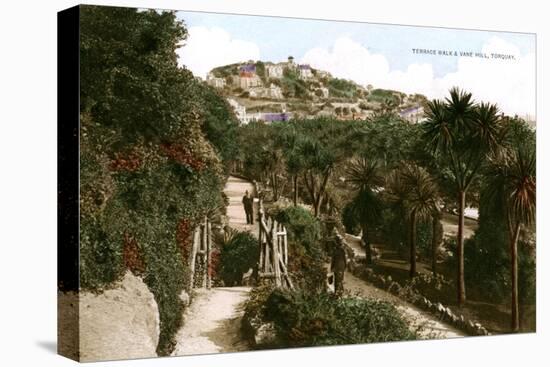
<point x="414" y="188"/>
<point x="363" y="173"/>
<point x="487" y="130"/>
<point x="437" y="128"/>
<point x="511" y="184"/>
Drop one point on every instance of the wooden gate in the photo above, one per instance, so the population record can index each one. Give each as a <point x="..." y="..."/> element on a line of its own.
<point x="273" y="263"/>
<point x="200" y="256"/>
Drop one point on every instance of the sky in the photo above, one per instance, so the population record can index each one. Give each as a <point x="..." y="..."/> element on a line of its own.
<point x="378" y="54"/>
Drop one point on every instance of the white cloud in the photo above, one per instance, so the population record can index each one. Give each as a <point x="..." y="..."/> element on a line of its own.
<point x="509" y="83"/>
<point x="207" y="48"/>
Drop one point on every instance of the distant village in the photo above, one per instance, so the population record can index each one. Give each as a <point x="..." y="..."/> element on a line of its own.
<point x="280" y="91"/>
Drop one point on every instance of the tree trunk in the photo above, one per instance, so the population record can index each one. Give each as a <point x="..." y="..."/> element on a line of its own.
<point x="275" y="187"/>
<point x="435" y="240"/>
<point x="295" y="190"/>
<point x="514" y="273"/>
<point x="412" y="244"/>
<point x="461" y="288"/>
<point x="365" y="238"/>
<point x="317" y="205"/>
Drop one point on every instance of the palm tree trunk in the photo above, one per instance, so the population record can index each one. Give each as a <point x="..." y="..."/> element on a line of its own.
<point x="514" y="271"/>
<point x="435" y="230"/>
<point x="317" y="205"/>
<point x="365" y="238"/>
<point x="275" y="186"/>
<point x="412" y="244"/>
<point x="461" y="288"/>
<point x="295" y="190"/>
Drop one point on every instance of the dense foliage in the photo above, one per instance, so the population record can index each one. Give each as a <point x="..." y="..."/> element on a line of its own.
<point x="151" y="154"/>
<point x="237" y="256"/>
<point x="306" y="256"/>
<point x="487" y="253"/>
<point x="304" y="319"/>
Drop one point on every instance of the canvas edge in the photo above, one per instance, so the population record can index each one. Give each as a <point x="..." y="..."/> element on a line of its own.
<point x="68" y="123"/>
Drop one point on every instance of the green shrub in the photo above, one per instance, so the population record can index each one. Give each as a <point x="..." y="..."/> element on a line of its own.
<point x="303" y="228"/>
<point x="100" y="256"/>
<point x="487" y="263"/>
<point x="254" y="307"/>
<point x="306" y="255"/>
<point x="488" y="269"/>
<point x="394" y="229"/>
<point x="239" y="255"/>
<point x="304" y="319"/>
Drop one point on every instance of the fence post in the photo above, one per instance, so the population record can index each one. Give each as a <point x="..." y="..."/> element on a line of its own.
<point x="194" y="249"/>
<point x="285" y="245"/>
<point x="262" y="238"/>
<point x="275" y="247"/>
<point x="208" y="250"/>
<point x="203" y="252"/>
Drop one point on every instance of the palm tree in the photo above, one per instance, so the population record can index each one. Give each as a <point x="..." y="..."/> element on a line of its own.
<point x="512" y="187"/>
<point x="317" y="167"/>
<point x="290" y="140"/>
<point x="274" y="167"/>
<point x="462" y="134"/>
<point x="414" y="188"/>
<point x="364" y="177"/>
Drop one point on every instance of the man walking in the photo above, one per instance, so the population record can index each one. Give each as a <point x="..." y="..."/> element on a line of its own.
<point x="338" y="264"/>
<point x="248" y="208"/>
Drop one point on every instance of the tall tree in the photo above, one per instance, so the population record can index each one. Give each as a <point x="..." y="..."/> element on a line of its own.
<point x="364" y="177"/>
<point x="414" y="188"/>
<point x="318" y="166"/>
<point x="461" y="134"/>
<point x="291" y="140"/>
<point x="512" y="187"/>
<point x="421" y="203"/>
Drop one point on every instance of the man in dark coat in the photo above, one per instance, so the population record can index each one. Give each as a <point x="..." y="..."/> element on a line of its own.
<point x="338" y="264"/>
<point x="248" y="208"/>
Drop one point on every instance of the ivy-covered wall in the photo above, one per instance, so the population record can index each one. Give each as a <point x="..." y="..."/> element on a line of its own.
<point x="152" y="160"/>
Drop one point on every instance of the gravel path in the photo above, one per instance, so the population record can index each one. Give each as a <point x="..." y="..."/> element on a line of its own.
<point x="212" y="323"/>
<point x="235" y="189"/>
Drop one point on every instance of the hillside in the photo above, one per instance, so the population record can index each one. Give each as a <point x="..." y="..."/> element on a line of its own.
<point x="279" y="91"/>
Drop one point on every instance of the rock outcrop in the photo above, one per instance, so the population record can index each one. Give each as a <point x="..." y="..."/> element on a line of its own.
<point x="119" y="323"/>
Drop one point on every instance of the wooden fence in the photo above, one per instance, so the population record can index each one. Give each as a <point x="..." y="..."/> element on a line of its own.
<point x="201" y="256"/>
<point x="273" y="242"/>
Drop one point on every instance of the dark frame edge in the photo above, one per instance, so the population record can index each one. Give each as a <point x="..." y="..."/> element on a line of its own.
<point x="68" y="172"/>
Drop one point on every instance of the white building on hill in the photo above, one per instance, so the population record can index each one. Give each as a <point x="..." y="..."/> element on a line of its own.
<point x="240" y="110"/>
<point x="273" y="92"/>
<point x="215" y="82"/>
<point x="305" y="71"/>
<point x="246" y="82"/>
<point x="413" y="114"/>
<point x="274" y="71"/>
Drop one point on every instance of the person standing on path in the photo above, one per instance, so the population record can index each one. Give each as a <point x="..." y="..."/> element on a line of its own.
<point x="248" y="207"/>
<point x="338" y="264"/>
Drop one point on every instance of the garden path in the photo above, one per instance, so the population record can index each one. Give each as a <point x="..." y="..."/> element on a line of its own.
<point x="212" y="323"/>
<point x="235" y="189"/>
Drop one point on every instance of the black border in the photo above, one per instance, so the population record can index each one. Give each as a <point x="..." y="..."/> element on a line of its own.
<point x="68" y="166"/>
